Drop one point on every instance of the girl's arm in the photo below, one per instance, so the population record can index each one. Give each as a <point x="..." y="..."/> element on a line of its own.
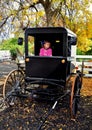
<point x="50" y="52"/>
<point x="41" y="52"/>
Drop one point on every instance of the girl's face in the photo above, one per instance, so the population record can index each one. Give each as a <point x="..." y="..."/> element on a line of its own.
<point x="47" y="45"/>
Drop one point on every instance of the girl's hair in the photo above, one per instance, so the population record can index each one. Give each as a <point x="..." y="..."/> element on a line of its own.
<point x="43" y="42"/>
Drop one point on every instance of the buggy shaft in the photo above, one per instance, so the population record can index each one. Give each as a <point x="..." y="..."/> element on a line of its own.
<point x="53" y="107"/>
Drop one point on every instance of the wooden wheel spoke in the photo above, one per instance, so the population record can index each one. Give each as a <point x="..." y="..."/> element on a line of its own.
<point x="22" y="80"/>
<point x="19" y="76"/>
<point x="12" y="77"/>
<point x="9" y="83"/>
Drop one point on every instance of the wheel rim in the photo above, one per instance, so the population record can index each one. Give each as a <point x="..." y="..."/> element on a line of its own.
<point x="74" y="107"/>
<point x="75" y="94"/>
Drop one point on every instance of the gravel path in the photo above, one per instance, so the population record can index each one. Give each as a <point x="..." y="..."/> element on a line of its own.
<point x="6" y="67"/>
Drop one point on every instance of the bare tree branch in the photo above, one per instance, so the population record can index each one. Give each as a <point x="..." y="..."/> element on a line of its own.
<point x="4" y="21"/>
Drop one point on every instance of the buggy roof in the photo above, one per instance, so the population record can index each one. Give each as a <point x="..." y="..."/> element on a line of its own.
<point x="49" y="30"/>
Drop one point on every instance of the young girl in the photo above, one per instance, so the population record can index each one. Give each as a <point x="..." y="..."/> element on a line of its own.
<point x="46" y="50"/>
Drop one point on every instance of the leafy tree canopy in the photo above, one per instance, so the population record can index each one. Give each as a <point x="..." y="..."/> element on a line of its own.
<point x="16" y="15"/>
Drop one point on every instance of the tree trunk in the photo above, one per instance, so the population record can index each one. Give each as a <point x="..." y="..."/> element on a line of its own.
<point x="50" y="14"/>
<point x="47" y="7"/>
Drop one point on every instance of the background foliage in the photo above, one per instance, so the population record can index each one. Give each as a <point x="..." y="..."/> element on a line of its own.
<point x="12" y="45"/>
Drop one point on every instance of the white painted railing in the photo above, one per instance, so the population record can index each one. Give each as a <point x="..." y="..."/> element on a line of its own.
<point x="84" y="57"/>
<point x="87" y="64"/>
<point x="5" y="55"/>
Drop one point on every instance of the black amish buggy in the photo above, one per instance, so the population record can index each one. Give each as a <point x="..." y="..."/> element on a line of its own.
<point x="45" y="77"/>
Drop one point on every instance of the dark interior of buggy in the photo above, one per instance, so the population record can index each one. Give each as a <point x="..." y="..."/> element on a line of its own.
<point x="57" y="44"/>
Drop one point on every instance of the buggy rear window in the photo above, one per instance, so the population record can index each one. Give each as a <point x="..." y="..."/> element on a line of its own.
<point x="31" y="44"/>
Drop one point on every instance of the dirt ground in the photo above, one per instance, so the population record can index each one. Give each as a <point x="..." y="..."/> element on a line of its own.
<point x="87" y="87"/>
<point x="28" y="115"/>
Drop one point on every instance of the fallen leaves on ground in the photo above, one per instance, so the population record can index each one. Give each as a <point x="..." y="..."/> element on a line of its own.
<point x="87" y="87"/>
<point x="28" y="116"/>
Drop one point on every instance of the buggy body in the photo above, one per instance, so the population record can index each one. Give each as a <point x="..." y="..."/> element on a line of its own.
<point x="53" y="69"/>
<point x="46" y="77"/>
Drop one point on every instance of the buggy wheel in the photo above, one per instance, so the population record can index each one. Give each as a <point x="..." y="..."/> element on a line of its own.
<point x="13" y="86"/>
<point x="75" y="95"/>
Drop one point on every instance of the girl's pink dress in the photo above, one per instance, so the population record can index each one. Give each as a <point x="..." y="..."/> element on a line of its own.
<point x="45" y="52"/>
